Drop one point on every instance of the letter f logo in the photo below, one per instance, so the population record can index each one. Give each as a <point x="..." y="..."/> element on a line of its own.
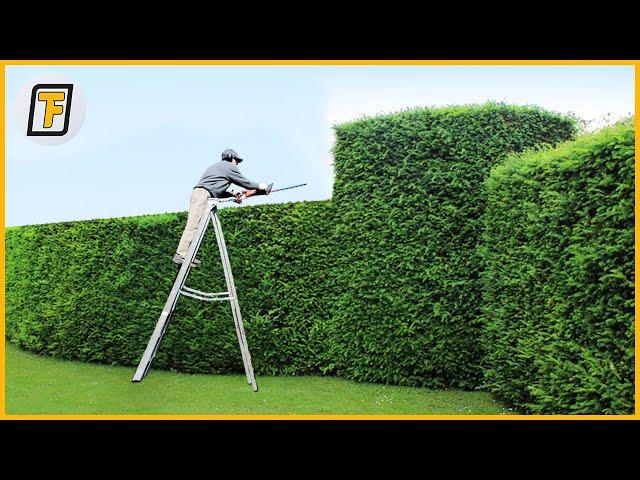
<point x="50" y="109"/>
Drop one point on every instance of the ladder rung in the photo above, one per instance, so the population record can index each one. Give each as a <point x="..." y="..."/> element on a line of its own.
<point x="207" y="298"/>
<point x="204" y="294"/>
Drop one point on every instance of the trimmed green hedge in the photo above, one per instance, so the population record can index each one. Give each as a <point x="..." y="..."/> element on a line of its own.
<point x="408" y="195"/>
<point x="559" y="278"/>
<point x="93" y="290"/>
<point x="380" y="284"/>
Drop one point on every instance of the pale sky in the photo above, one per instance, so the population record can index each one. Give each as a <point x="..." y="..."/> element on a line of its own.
<point x="150" y="131"/>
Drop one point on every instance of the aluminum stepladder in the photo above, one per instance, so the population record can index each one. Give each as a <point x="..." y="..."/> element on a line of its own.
<point x="179" y="288"/>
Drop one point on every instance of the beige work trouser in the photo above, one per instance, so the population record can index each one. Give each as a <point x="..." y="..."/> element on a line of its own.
<point x="197" y="207"/>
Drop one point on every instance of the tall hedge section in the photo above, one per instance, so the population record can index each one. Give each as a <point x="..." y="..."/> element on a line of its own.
<point x="409" y="199"/>
<point x="93" y="290"/>
<point x="559" y="278"/>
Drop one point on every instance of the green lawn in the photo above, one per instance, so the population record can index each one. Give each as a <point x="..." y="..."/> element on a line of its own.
<point x="43" y="385"/>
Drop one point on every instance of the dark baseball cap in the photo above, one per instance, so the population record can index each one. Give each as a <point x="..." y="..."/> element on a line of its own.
<point x="229" y="154"/>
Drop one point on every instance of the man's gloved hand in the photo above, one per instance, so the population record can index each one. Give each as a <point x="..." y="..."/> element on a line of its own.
<point x="264" y="188"/>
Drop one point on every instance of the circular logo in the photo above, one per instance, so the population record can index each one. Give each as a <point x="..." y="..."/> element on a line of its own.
<point x="50" y="110"/>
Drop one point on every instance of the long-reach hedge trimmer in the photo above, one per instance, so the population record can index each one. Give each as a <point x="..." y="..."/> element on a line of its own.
<point x="239" y="196"/>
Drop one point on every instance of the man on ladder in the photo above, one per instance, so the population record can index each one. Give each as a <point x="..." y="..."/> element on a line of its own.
<point x="213" y="184"/>
<point x="211" y="190"/>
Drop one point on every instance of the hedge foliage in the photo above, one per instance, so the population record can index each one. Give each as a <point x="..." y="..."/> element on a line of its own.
<point x="380" y="284"/>
<point x="559" y="278"/>
<point x="408" y="196"/>
<point x="93" y="290"/>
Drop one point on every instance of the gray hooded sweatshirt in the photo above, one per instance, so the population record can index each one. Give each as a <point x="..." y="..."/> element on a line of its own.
<point x="217" y="178"/>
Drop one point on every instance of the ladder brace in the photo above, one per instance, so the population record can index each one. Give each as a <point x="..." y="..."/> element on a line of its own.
<point x="205" y="296"/>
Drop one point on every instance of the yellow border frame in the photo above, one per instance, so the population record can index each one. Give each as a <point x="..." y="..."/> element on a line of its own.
<point x="4" y="63"/>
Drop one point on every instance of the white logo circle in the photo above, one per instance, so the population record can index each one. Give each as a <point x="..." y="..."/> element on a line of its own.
<point x="63" y="118"/>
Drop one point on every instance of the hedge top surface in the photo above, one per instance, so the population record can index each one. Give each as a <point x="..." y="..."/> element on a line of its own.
<point x="452" y="110"/>
<point x="564" y="155"/>
<point x="151" y="219"/>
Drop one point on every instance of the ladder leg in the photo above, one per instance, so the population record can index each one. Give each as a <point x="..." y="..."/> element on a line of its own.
<point x="163" y="321"/>
<point x="246" y="360"/>
<point x="235" y="306"/>
<point x="226" y="277"/>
